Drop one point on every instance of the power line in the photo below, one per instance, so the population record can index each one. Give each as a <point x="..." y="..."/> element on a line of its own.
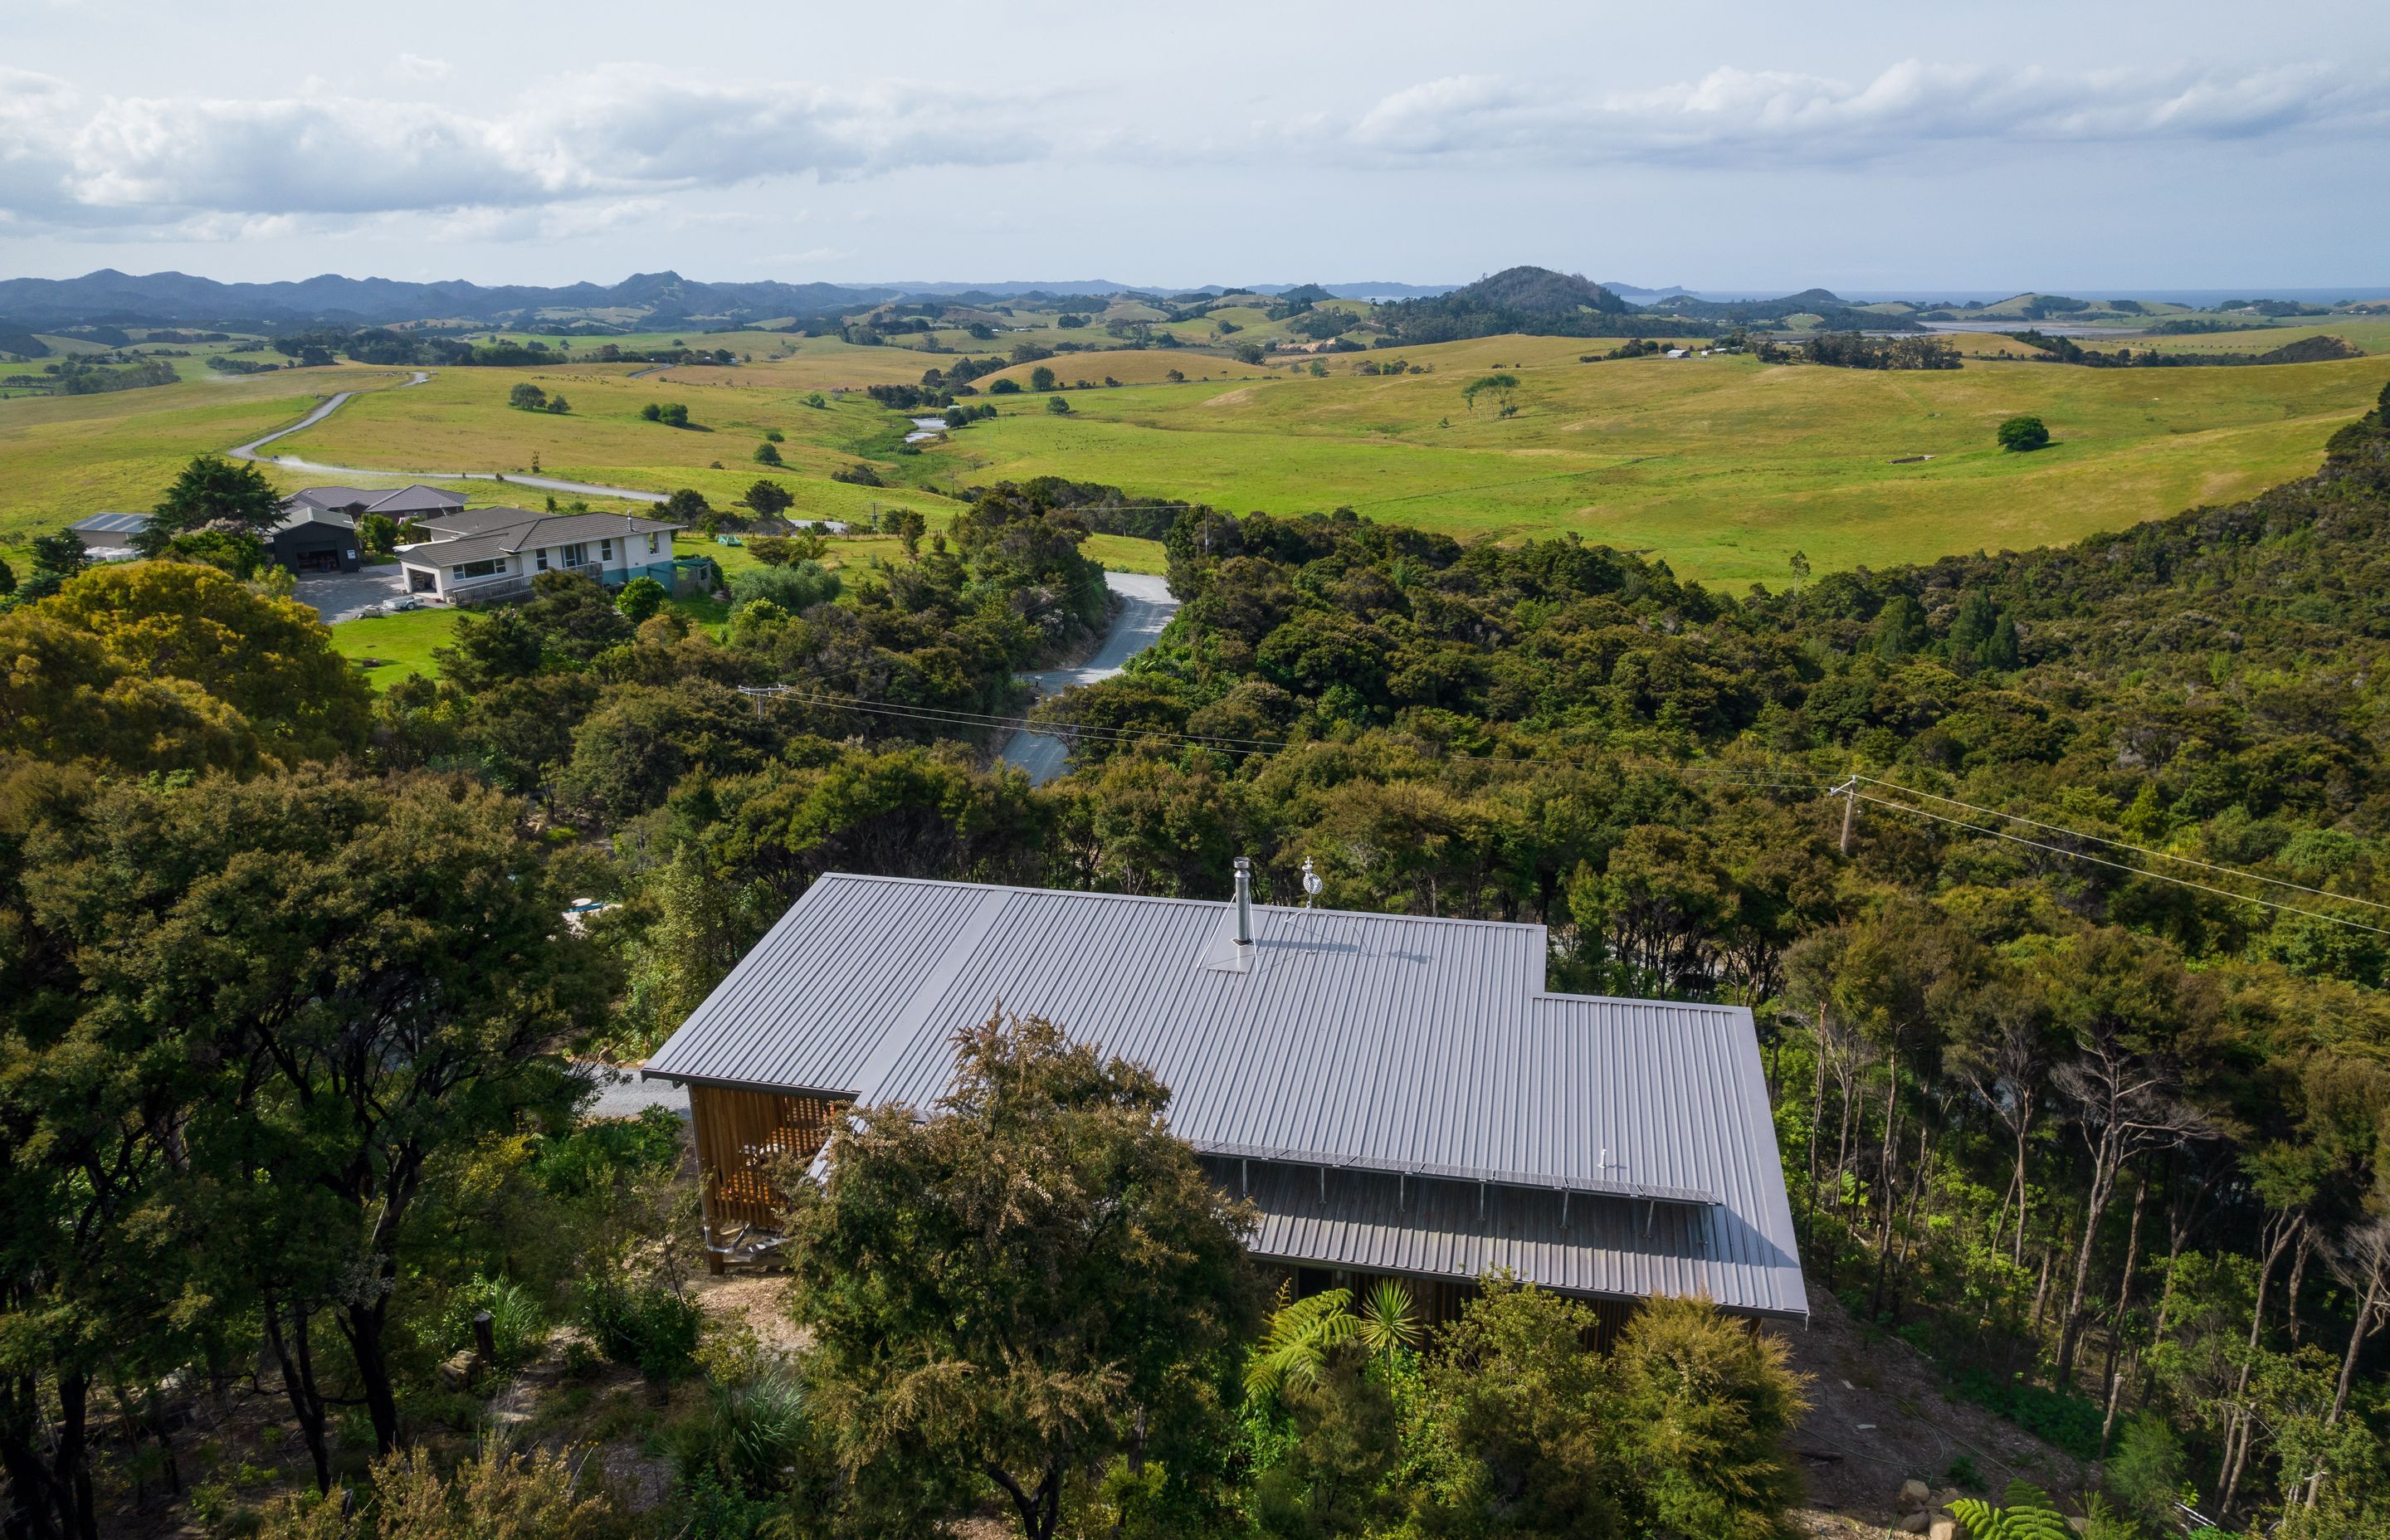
<point x="2124" y="845"/>
<point x="959" y="717"/>
<point x="2119" y="866"/>
<point x="1221" y="743"/>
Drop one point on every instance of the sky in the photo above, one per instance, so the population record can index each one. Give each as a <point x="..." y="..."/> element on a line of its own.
<point x="1924" y="146"/>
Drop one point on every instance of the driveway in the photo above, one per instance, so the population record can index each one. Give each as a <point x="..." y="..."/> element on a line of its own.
<point x="345" y="596"/>
<point x="1146" y="608"/>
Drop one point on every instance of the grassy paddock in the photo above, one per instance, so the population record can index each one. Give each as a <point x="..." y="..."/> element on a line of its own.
<point x="396" y="646"/>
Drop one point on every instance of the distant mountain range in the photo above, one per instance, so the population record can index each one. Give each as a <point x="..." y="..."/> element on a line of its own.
<point x="110" y="297"/>
<point x="648" y="299"/>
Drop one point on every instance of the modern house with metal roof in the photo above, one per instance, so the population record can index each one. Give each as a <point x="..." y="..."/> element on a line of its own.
<point x="471" y="556"/>
<point x="1397" y="1096"/>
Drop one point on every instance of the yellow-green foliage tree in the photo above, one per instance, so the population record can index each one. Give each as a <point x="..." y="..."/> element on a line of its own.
<point x="161" y="665"/>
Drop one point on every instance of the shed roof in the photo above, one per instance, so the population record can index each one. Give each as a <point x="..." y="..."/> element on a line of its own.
<point x="1406" y="1056"/>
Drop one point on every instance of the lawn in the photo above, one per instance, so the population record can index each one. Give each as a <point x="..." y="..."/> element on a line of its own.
<point x="392" y="647"/>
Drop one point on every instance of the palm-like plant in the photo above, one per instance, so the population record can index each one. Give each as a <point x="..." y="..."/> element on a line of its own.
<point x="1389" y="1322"/>
<point x="1302" y="1332"/>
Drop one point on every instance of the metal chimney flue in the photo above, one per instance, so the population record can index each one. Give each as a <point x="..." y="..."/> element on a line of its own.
<point x="1244" y="901"/>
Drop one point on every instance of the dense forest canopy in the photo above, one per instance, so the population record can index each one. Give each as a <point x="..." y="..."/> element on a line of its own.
<point x="2095" y="1107"/>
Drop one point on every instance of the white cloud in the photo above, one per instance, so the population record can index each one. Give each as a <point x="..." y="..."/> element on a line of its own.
<point x="1733" y="115"/>
<point x="608" y="135"/>
<point x="421" y="67"/>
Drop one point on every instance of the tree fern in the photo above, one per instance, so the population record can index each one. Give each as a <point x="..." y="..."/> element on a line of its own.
<point x="2030" y="1514"/>
<point x="1301" y="1332"/>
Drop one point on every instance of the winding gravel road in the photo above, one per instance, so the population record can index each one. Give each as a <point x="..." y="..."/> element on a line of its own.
<point x="249" y="451"/>
<point x="1146" y="608"/>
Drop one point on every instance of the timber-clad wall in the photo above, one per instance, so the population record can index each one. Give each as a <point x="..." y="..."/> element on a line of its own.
<point x="740" y="1133"/>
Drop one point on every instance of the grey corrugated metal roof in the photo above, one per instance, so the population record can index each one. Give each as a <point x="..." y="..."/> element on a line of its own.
<point x="1386" y="1042"/>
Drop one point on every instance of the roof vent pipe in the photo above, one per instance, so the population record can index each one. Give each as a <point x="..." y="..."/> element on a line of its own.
<point x="1244" y="901"/>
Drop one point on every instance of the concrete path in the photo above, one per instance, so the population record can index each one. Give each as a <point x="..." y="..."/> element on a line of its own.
<point x="292" y="462"/>
<point x="1146" y="608"/>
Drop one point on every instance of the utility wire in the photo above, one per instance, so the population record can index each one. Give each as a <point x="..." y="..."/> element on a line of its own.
<point x="956" y="717"/>
<point x="2119" y="866"/>
<point x="2122" y="844"/>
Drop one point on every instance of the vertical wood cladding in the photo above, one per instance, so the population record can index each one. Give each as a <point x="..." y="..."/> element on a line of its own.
<point x="739" y="1136"/>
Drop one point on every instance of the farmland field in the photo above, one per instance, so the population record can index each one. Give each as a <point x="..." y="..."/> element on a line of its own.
<point x="1723" y="465"/>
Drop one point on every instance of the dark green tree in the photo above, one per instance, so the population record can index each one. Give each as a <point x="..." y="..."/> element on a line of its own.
<point x="212" y="490"/>
<point x="1017" y="1290"/>
<point x="485" y="649"/>
<point x="2023" y="433"/>
<point x="527" y="397"/>
<point x="1058" y="407"/>
<point x="1041" y="378"/>
<point x="766" y="455"/>
<point x="574" y="616"/>
<point x="768" y="498"/>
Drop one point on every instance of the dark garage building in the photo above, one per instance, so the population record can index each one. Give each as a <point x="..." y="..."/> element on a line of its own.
<point x="312" y="539"/>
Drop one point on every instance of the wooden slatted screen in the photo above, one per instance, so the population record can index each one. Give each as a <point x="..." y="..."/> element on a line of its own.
<point x="740" y="1133"/>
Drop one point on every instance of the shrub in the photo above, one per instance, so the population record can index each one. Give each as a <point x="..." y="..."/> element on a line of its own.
<point x="557" y="405"/>
<point x="495" y="1493"/>
<point x="1702" y="1406"/>
<point x="1057" y="406"/>
<point x="766" y="455"/>
<point x="2146" y="1470"/>
<point x="2023" y="434"/>
<point x="796" y="587"/>
<point x="379" y="532"/>
<point x="518" y="1331"/>
<point x="1004" y="388"/>
<point x="753" y="1435"/>
<point x="640" y="598"/>
<point x="643" y="1324"/>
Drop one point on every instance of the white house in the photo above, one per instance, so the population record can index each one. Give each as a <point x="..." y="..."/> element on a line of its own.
<point x="495" y="553"/>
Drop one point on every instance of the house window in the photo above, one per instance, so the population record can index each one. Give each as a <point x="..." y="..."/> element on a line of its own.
<point x="576" y="556"/>
<point x="604" y="550"/>
<point x="478" y="569"/>
<point x="651" y="545"/>
<point x="543" y="558"/>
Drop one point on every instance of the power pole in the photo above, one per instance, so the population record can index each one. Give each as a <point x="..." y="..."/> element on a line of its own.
<point x="1849" y="792"/>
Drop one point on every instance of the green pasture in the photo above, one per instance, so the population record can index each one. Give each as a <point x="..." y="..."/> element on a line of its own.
<point x="1723" y="465"/>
